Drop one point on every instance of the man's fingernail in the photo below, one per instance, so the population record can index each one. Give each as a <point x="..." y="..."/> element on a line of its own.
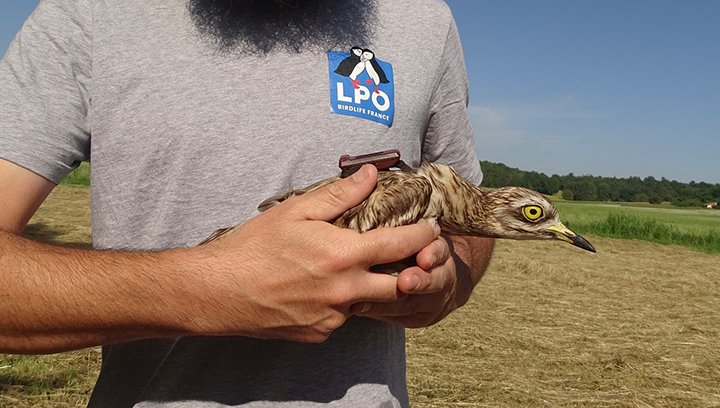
<point x="435" y="225"/>
<point x="365" y="307"/>
<point x="360" y="175"/>
<point x="415" y="283"/>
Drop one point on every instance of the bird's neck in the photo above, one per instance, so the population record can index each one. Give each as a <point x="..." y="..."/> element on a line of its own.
<point x="460" y="206"/>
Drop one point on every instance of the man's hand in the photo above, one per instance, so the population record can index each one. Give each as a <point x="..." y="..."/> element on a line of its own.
<point x="448" y="270"/>
<point x="288" y="273"/>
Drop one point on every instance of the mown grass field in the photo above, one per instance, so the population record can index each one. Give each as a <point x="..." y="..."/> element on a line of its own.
<point x="550" y="325"/>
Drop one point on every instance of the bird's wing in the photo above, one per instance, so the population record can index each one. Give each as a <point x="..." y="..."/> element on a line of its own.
<point x="346" y="66"/>
<point x="381" y="74"/>
<point x="400" y="198"/>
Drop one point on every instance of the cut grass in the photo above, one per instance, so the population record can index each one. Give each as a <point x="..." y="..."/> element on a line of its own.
<point x="64" y="218"/>
<point x="60" y="380"/>
<point x="635" y="325"/>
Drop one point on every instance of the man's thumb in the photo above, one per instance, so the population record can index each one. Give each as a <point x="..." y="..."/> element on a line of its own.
<point x="329" y="202"/>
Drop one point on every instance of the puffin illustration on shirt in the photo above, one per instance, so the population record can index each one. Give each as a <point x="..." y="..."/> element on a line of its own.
<point x="359" y="100"/>
<point x="362" y="60"/>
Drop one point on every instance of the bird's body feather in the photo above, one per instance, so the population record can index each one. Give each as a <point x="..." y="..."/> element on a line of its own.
<point x="399" y="198"/>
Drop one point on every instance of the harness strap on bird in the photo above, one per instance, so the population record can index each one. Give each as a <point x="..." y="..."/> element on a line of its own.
<point x="384" y="161"/>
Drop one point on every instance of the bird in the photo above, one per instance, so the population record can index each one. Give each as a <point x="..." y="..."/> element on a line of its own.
<point x="374" y="70"/>
<point x="437" y="192"/>
<point x="352" y="66"/>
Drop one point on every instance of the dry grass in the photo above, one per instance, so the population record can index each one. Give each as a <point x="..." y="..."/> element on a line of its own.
<point x="63" y="219"/>
<point x="56" y="381"/>
<point x="635" y="325"/>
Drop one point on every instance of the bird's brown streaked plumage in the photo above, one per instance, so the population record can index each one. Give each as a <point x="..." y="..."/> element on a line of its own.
<point x="435" y="191"/>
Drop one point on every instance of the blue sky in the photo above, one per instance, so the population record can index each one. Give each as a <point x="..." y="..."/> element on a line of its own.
<point x="601" y="87"/>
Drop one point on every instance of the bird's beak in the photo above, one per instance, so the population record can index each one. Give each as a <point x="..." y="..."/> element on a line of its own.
<point x="563" y="233"/>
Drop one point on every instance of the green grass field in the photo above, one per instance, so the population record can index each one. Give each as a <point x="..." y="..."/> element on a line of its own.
<point x="694" y="228"/>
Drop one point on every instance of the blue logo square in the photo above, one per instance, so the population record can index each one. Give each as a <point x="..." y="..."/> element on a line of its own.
<point x="361" y="85"/>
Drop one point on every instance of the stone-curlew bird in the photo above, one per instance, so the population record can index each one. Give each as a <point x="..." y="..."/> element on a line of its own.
<point x="435" y="191"/>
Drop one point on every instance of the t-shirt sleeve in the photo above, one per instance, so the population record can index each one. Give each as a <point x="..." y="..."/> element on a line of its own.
<point x="44" y="90"/>
<point x="449" y="138"/>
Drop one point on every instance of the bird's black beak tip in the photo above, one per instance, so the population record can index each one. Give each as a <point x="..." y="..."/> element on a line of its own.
<point x="563" y="233"/>
<point x="583" y="243"/>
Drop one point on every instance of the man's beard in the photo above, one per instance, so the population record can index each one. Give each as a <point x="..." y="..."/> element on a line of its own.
<point x="258" y="27"/>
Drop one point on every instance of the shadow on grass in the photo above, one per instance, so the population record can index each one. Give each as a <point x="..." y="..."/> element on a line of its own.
<point x="33" y="383"/>
<point x="44" y="233"/>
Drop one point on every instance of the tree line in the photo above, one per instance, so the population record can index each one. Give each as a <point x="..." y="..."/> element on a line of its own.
<point x="596" y="188"/>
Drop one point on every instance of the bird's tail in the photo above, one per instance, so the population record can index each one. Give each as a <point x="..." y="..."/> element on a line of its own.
<point x="271" y="202"/>
<point x="277" y="199"/>
<point x="222" y="232"/>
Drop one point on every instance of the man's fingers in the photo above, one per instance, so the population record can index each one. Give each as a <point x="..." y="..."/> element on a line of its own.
<point x="434" y="254"/>
<point x="387" y="245"/>
<point x="416" y="281"/>
<point x="377" y="287"/>
<point x="433" y="272"/>
<point x="329" y="202"/>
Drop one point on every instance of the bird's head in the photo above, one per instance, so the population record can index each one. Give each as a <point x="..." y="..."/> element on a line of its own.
<point x="519" y="213"/>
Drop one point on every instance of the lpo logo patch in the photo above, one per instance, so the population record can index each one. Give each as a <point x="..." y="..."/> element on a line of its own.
<point x="361" y="85"/>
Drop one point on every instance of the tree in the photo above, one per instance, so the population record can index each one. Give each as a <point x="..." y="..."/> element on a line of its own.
<point x="654" y="198"/>
<point x="584" y="190"/>
<point x="604" y="191"/>
<point x="591" y="188"/>
<point x="554" y="184"/>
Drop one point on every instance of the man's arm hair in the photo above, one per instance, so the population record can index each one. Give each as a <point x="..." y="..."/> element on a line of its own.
<point x="281" y="275"/>
<point x="57" y="299"/>
<point x="49" y="295"/>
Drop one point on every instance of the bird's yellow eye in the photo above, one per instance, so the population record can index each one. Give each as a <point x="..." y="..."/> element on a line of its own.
<point x="532" y="212"/>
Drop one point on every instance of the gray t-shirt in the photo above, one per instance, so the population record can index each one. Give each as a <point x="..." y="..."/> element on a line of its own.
<point x="184" y="141"/>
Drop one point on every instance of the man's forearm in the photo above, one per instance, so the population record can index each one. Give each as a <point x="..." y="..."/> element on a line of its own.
<point x="55" y="299"/>
<point x="472" y="254"/>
